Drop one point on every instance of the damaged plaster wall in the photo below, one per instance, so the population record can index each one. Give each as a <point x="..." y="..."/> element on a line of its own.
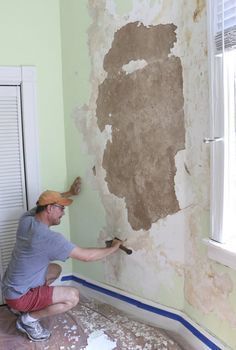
<point x="158" y="266"/>
<point x="147" y="121"/>
<point x="140" y="127"/>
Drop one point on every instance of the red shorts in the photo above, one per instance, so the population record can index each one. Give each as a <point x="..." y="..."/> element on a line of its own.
<point x="35" y="299"/>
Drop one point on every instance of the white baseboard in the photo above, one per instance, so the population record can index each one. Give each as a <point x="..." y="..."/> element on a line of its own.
<point x="187" y="333"/>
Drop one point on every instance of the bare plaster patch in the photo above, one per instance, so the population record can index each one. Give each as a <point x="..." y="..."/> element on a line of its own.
<point x="145" y="110"/>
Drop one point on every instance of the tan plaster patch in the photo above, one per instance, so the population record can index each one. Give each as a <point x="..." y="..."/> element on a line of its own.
<point x="200" y="6"/>
<point x="145" y="110"/>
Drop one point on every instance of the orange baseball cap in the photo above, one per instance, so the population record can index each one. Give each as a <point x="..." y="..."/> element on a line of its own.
<point x="53" y="197"/>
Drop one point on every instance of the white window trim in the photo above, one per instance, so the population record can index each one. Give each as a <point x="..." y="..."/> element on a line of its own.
<point x="25" y="76"/>
<point x="222" y="253"/>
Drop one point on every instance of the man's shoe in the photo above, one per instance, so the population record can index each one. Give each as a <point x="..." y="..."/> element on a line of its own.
<point x="34" y="330"/>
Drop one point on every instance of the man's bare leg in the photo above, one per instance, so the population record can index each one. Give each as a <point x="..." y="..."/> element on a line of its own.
<point x="63" y="298"/>
<point x="54" y="271"/>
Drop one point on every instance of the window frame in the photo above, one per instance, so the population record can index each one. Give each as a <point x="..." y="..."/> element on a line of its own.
<point x="218" y="248"/>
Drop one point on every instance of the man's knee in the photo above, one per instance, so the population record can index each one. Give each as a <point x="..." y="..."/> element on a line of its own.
<point x="67" y="295"/>
<point x="74" y="296"/>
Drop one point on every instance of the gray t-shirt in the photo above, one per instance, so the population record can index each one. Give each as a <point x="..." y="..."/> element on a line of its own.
<point x="36" y="246"/>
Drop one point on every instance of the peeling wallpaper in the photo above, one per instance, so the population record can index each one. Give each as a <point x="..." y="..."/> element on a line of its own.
<point x="138" y="133"/>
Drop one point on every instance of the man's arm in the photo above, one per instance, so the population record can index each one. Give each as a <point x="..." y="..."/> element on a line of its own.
<point x="93" y="254"/>
<point x="74" y="188"/>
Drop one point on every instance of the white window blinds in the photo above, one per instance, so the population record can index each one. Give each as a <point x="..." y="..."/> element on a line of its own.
<point x="225" y="25"/>
<point x="12" y="177"/>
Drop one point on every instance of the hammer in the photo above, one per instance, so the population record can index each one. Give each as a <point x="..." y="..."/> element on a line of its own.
<point x="109" y="243"/>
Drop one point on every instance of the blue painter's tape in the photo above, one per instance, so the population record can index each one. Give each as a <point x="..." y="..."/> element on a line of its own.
<point x="146" y="307"/>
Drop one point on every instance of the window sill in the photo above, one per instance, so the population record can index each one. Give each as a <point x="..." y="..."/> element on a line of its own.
<point x="222" y="253"/>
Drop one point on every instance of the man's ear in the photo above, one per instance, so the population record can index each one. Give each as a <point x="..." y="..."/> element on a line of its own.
<point x="49" y="208"/>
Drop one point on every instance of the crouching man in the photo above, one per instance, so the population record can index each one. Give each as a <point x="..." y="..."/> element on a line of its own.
<point x="27" y="281"/>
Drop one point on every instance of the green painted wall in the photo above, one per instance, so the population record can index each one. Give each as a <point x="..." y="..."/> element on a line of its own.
<point x="86" y="213"/>
<point x="30" y="35"/>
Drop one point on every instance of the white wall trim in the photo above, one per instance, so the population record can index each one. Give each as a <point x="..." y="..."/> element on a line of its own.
<point x="25" y="77"/>
<point x="10" y="75"/>
<point x="187" y="333"/>
<point x="30" y="130"/>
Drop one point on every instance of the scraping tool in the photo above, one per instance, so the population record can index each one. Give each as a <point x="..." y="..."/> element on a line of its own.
<point x="109" y="243"/>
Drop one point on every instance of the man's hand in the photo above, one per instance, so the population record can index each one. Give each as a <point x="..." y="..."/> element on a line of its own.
<point x="74" y="188"/>
<point x="116" y="242"/>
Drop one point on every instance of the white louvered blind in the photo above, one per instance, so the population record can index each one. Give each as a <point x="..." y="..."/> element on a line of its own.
<point x="12" y="177"/>
<point x="225" y="22"/>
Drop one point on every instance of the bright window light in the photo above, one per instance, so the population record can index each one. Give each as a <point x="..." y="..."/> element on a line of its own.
<point x="222" y="137"/>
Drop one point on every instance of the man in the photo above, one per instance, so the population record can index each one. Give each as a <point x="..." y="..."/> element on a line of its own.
<point x="27" y="280"/>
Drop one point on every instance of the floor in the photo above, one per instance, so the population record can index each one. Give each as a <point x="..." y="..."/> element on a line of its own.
<point x="89" y="326"/>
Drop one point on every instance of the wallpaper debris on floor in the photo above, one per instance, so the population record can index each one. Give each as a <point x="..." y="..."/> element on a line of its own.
<point x="89" y="326"/>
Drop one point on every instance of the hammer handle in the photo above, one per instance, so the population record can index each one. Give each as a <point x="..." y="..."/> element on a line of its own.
<point x="127" y="250"/>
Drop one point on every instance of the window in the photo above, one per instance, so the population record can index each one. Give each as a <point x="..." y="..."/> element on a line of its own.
<point x="222" y="138"/>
